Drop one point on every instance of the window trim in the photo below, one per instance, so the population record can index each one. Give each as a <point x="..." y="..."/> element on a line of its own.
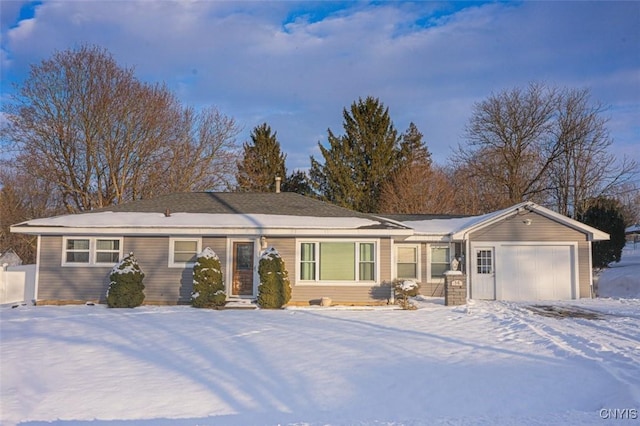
<point x="356" y="264"/>
<point x="93" y="245"/>
<point x="418" y="248"/>
<point x="172" y="263"/>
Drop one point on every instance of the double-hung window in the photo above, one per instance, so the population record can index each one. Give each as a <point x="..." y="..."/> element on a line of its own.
<point x="183" y="252"/>
<point x="407" y="265"/>
<point x="89" y="251"/>
<point x="338" y="261"/>
<point x="439" y="261"/>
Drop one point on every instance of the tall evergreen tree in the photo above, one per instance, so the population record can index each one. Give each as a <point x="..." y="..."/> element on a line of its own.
<point x="262" y="161"/>
<point x="606" y="215"/>
<point x="297" y="182"/>
<point x="413" y="149"/>
<point x="359" y="162"/>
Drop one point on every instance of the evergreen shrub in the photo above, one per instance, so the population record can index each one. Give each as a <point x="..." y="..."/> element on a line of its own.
<point x="208" y="285"/>
<point x="606" y="215"/>
<point x="274" y="290"/>
<point x="403" y="290"/>
<point x="126" y="287"/>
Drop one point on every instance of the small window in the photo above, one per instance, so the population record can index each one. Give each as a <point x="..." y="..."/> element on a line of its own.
<point x="367" y="262"/>
<point x="439" y="261"/>
<point x="484" y="261"/>
<point x="308" y="261"/>
<point x="407" y="262"/>
<point x="183" y="252"/>
<point x="107" y="251"/>
<point x="77" y="251"/>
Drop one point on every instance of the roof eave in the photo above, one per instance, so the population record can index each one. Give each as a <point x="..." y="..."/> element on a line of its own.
<point x="164" y="231"/>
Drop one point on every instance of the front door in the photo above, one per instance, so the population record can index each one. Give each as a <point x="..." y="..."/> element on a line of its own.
<point x="243" y="256"/>
<point x="483" y="282"/>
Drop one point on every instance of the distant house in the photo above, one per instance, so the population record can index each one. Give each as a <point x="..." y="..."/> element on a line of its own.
<point x="525" y="252"/>
<point x="10" y="258"/>
<point x="632" y="233"/>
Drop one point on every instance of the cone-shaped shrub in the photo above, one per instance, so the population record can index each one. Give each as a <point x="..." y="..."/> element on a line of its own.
<point x="126" y="288"/>
<point x="274" y="290"/>
<point x="208" y="286"/>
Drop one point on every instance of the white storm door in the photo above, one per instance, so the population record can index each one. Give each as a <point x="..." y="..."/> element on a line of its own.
<point x="483" y="279"/>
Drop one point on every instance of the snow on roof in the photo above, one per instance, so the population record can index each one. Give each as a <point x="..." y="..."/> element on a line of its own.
<point x="632" y="229"/>
<point x="197" y="220"/>
<point x="445" y="226"/>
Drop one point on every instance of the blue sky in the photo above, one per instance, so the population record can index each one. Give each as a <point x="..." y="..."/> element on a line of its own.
<point x="296" y="65"/>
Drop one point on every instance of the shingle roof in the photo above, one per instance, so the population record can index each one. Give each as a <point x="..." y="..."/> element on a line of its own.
<point x="283" y="203"/>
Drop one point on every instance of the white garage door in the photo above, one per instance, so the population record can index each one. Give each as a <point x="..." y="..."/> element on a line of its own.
<point x="535" y="272"/>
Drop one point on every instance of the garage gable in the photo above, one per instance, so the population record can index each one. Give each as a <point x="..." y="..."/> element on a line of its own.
<point x="536" y="255"/>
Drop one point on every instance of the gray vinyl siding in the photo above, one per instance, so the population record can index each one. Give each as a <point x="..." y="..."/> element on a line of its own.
<point x="584" y="269"/>
<point x="165" y="285"/>
<point x="68" y="284"/>
<point x="385" y="261"/>
<point x="542" y="229"/>
<point x="311" y="294"/>
<point x="287" y="249"/>
<point x="161" y="283"/>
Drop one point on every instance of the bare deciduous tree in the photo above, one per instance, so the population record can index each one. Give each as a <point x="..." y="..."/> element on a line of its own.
<point x="585" y="168"/>
<point x="419" y="189"/>
<point x="543" y="144"/>
<point x="103" y="137"/>
<point x="23" y="197"/>
<point x="509" y="142"/>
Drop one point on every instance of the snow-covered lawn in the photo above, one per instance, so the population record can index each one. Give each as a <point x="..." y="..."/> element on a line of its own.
<point x="485" y="363"/>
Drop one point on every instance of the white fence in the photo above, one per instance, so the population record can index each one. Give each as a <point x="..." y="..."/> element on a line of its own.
<point x="17" y="284"/>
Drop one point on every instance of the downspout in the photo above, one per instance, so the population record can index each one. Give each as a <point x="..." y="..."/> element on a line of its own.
<point x="37" y="277"/>
<point x="467" y="265"/>
<point x="591" y="289"/>
<point x="392" y="252"/>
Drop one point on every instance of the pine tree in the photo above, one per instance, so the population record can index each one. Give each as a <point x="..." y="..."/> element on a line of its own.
<point x="412" y="148"/>
<point x="208" y="286"/>
<point x="606" y="215"/>
<point x="274" y="290"/>
<point x="262" y="161"/>
<point x="414" y="186"/>
<point x="126" y="288"/>
<point x="359" y="162"/>
<point x="297" y="182"/>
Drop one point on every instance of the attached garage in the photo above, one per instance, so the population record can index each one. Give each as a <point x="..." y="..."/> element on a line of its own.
<point x="528" y="252"/>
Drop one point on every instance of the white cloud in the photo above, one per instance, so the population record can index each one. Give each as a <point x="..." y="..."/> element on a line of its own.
<point x="298" y="70"/>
